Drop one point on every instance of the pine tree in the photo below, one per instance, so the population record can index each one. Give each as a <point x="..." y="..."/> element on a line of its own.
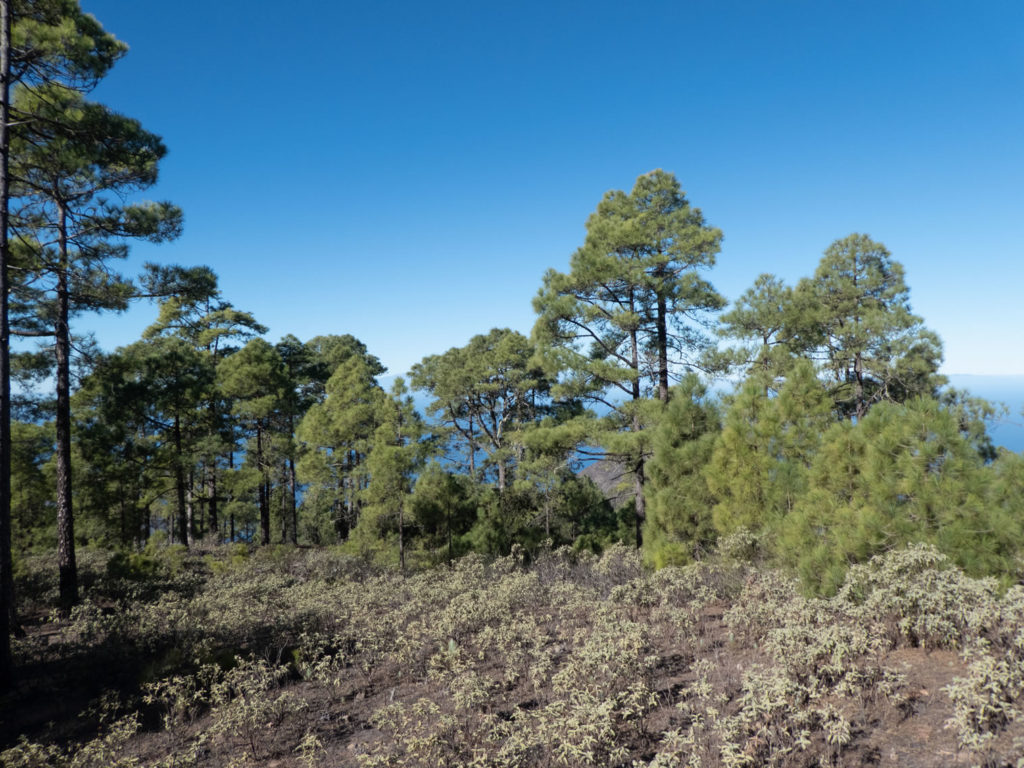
<point x="679" y="525"/>
<point x="193" y="311"/>
<point x="41" y="42"/>
<point x="255" y="380"/>
<point x="484" y="393"/>
<point x="772" y="323"/>
<point x="873" y="347"/>
<point x="338" y="434"/>
<point x="631" y="310"/>
<point x="758" y="469"/>
<point x="394" y="457"/>
<point x="903" y="474"/>
<point x="67" y="161"/>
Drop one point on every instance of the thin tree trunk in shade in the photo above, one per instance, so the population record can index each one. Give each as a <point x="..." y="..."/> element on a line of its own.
<point x="8" y="619"/>
<point x="62" y="343"/>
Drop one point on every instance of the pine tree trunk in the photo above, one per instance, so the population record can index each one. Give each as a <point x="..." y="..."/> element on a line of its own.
<point x="448" y="523"/>
<point x="122" y="514"/>
<point x="65" y="517"/>
<point x="7" y="612"/>
<point x="284" y="512"/>
<point x="348" y="523"/>
<point x="639" y="501"/>
<point x="190" y="512"/>
<point x="179" y="485"/>
<point x="858" y="376"/>
<point x="662" y="331"/>
<point x="263" y="496"/>
<point x="292" y="490"/>
<point x="212" y="488"/>
<point x="638" y="468"/>
<point x="401" y="536"/>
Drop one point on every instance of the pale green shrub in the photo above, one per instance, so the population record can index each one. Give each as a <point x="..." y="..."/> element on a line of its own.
<point x="921" y="596"/>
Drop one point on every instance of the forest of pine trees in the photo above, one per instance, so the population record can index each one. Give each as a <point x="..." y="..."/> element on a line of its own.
<point x="808" y="419"/>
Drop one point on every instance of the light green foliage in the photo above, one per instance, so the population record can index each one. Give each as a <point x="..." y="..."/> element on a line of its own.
<point x="31" y="486"/>
<point x="904" y="473"/>
<point x="876" y="349"/>
<point x="484" y="393"/>
<point x="630" y="310"/>
<point x="679" y="525"/>
<point x="443" y="509"/>
<point x="636" y="271"/>
<point x="111" y="750"/>
<point x="255" y="381"/>
<point x="395" y="455"/>
<point x="55" y="40"/>
<point x="194" y="310"/>
<point x="772" y="323"/>
<point x="254" y="378"/>
<point x="758" y="469"/>
<point x="930" y="602"/>
<point x="338" y="432"/>
<point x="1006" y="483"/>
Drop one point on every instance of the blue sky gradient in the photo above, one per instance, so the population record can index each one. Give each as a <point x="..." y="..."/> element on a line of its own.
<point x="407" y="171"/>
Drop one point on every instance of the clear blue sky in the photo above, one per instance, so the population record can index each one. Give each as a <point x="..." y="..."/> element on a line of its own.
<point x="406" y="171"/>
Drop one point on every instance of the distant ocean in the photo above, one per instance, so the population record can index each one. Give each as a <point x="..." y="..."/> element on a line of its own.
<point x="1008" y="431"/>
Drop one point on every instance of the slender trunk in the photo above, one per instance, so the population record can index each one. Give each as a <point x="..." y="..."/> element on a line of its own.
<point x="231" y="465"/>
<point x="472" y="452"/>
<point x="636" y="426"/>
<point x="292" y="490"/>
<point x="264" y="500"/>
<point x="190" y="510"/>
<point x="179" y="485"/>
<point x="858" y="376"/>
<point x="859" y="406"/>
<point x="8" y="619"/>
<point x="401" y="536"/>
<point x="212" y="486"/>
<point x="121" y="514"/>
<point x="62" y="342"/>
<point x="285" y="519"/>
<point x="641" y="510"/>
<point x="348" y="523"/>
<point x="448" y="524"/>
<point x="662" y="329"/>
<point x="293" y="506"/>
<point x="501" y="475"/>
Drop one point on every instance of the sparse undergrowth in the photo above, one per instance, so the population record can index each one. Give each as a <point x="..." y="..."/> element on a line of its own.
<point x="311" y="658"/>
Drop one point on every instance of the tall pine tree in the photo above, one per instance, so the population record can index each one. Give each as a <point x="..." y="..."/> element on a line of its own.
<point x="632" y="309"/>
